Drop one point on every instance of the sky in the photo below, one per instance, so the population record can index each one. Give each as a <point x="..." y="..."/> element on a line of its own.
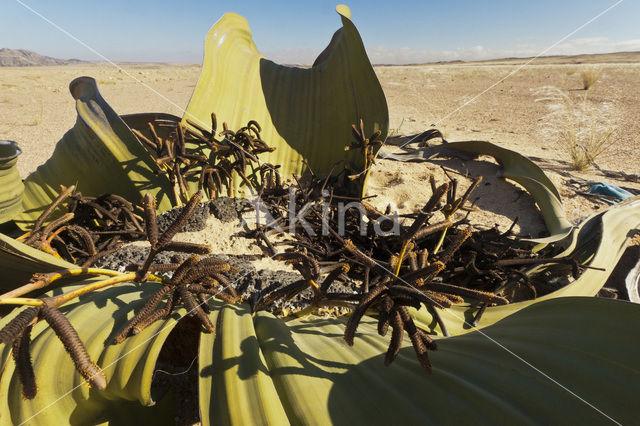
<point x="295" y="32"/>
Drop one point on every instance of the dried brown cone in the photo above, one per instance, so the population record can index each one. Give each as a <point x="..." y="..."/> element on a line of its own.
<point x="155" y="267"/>
<point x="205" y="268"/>
<point x="24" y="366"/>
<point x="182" y="218"/>
<point x="206" y="293"/>
<point x="333" y="275"/>
<point x="439" y="300"/>
<point x="481" y="296"/>
<point x="311" y="269"/>
<point x="185" y="247"/>
<point x="355" y="251"/>
<point x="184" y="267"/>
<point x="226" y="285"/>
<point x="401" y="290"/>
<point x="366" y="301"/>
<point x="383" y="318"/>
<point x="150" y="220"/>
<point x="144" y="312"/>
<point x="64" y="193"/>
<point x="194" y="309"/>
<point x="454" y="245"/>
<point x="431" y="205"/>
<point x="85" y="237"/>
<point x="397" y="334"/>
<point x="416" y="339"/>
<point x="155" y="315"/>
<point x="286" y="292"/>
<point x="74" y="347"/>
<point x="14" y="328"/>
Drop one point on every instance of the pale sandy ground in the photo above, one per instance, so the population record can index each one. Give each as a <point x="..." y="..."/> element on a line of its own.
<point x="36" y="109"/>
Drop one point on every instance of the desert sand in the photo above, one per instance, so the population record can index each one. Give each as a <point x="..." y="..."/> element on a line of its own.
<point x="36" y="109"/>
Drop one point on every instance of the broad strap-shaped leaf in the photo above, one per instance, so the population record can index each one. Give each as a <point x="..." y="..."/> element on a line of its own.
<point x="582" y="343"/>
<point x="99" y="155"/>
<point x="63" y="397"/>
<point x="235" y="386"/>
<point x="11" y="186"/>
<point x="19" y="262"/>
<point x="306" y="114"/>
<point x="632" y="283"/>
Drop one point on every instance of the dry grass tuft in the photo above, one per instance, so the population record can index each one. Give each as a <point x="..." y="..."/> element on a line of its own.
<point x="589" y="77"/>
<point x="583" y="129"/>
<point x="396" y="131"/>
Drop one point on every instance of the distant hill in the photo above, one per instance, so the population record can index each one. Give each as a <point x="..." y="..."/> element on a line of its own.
<point x="595" y="58"/>
<point x="27" y="58"/>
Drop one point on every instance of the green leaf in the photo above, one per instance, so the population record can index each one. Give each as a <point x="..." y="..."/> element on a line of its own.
<point x="306" y="114"/>
<point x="475" y="379"/>
<point x="99" y="155"/>
<point x="235" y="386"/>
<point x="62" y="396"/>
<point x="19" y="262"/>
<point x="11" y="187"/>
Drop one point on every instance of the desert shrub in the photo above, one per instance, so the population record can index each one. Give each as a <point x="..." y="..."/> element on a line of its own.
<point x="582" y="128"/>
<point x="589" y="77"/>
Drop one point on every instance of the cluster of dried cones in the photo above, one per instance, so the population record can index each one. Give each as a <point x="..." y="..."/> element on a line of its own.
<point x="192" y="155"/>
<point x="90" y="228"/>
<point x="391" y="272"/>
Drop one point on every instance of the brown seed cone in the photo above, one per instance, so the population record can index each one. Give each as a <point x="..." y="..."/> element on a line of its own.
<point x="195" y="309"/>
<point x="396" y="337"/>
<point x="358" y="254"/>
<point x="226" y="285"/>
<point x="155" y="316"/>
<point x="286" y="292"/>
<point x="401" y="290"/>
<point x="184" y="247"/>
<point x="24" y="366"/>
<point x="85" y="237"/>
<point x="204" y="268"/>
<point x="333" y="275"/>
<point x="356" y="316"/>
<point x="416" y="339"/>
<point x="16" y="326"/>
<point x="146" y="310"/>
<point x="74" y="347"/>
<point x="150" y="221"/>
<point x="182" y="218"/>
<point x="184" y="267"/>
<point x="454" y="245"/>
<point x="482" y="296"/>
<point x="385" y="311"/>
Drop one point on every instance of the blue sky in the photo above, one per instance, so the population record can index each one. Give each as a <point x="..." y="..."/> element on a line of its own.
<point x="291" y="31"/>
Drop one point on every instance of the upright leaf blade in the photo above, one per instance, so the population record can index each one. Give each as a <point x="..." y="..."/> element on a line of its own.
<point x="99" y="155"/>
<point x="235" y="386"/>
<point x="306" y="114"/>
<point x="11" y="186"/>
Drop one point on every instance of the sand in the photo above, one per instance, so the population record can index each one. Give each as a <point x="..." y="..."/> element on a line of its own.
<point x="36" y="109"/>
